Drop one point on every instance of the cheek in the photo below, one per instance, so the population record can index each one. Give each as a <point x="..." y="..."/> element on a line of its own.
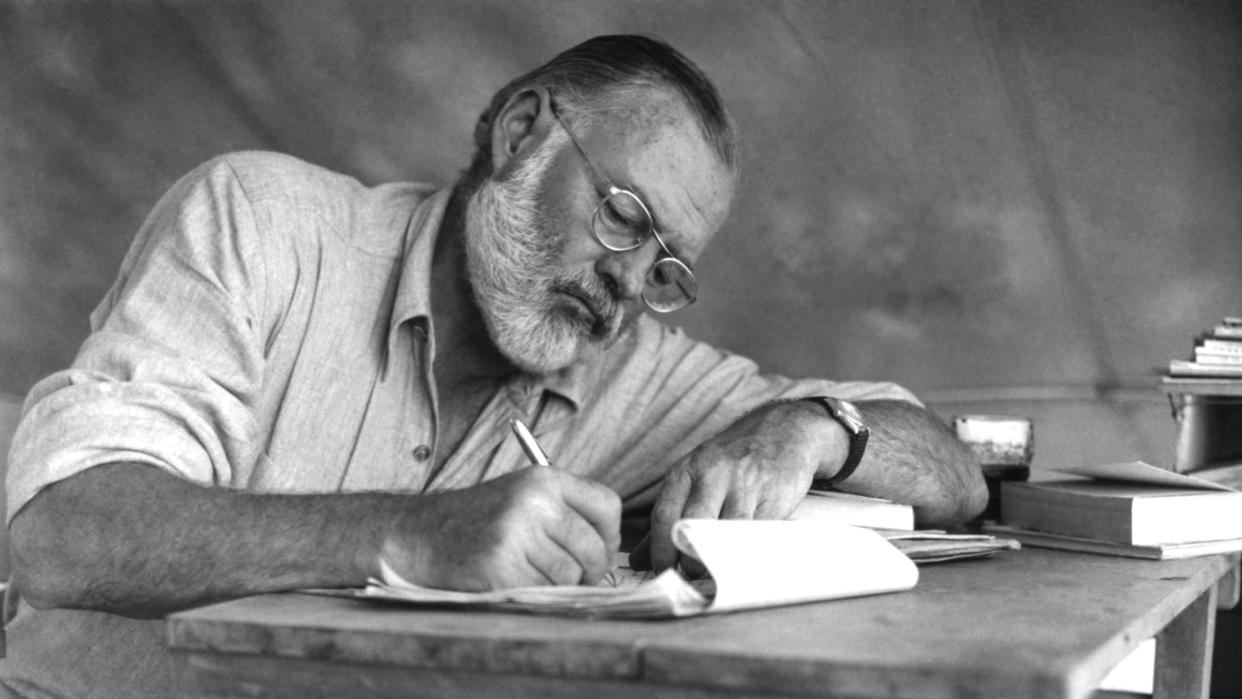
<point x="575" y="246"/>
<point x="578" y="248"/>
<point x="567" y="204"/>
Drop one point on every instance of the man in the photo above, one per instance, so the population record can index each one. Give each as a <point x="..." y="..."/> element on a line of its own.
<point x="296" y="377"/>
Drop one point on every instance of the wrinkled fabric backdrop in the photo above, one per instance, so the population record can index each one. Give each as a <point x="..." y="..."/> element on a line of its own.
<point x="1019" y="207"/>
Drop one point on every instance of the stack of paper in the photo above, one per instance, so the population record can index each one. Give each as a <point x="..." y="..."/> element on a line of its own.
<point x="925" y="546"/>
<point x="752" y="563"/>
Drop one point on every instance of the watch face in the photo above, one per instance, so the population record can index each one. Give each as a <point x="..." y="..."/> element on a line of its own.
<point x="849" y="412"/>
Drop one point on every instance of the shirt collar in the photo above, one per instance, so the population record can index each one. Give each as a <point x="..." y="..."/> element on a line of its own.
<point x="413" y="299"/>
<point x="571" y="384"/>
<point x="580" y="382"/>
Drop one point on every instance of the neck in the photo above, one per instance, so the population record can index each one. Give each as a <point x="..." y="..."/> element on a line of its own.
<point x="465" y="352"/>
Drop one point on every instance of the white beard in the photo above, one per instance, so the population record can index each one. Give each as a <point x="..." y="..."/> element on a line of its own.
<point x="513" y="261"/>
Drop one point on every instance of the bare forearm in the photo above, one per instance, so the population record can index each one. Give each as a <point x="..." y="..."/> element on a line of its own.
<point x="912" y="457"/>
<point x="135" y="540"/>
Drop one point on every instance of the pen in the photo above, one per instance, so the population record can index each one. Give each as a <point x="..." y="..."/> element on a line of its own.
<point x="529" y="445"/>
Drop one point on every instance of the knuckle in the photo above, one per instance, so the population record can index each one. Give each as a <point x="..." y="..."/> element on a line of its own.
<point x="543" y="476"/>
<point x="612" y="501"/>
<point x="535" y="478"/>
<point x="601" y="560"/>
<point x="563" y="571"/>
<point x="666" y="510"/>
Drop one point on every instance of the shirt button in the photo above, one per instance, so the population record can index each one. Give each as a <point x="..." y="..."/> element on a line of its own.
<point x="422" y="452"/>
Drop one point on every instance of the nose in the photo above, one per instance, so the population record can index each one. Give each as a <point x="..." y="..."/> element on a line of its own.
<point x="625" y="273"/>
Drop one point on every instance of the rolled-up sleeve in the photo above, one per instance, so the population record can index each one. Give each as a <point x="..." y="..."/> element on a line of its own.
<point x="174" y="361"/>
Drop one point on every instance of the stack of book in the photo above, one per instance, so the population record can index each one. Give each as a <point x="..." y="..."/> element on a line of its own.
<point x="1215" y="366"/>
<point x="1130" y="509"/>
<point x="1205" y="393"/>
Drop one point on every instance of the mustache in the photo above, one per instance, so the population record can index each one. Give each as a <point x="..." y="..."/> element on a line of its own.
<point x="605" y="306"/>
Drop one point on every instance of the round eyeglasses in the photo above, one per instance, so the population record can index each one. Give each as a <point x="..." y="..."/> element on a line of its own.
<point x="622" y="222"/>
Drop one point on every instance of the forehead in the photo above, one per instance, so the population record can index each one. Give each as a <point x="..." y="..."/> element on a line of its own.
<point x="658" y="149"/>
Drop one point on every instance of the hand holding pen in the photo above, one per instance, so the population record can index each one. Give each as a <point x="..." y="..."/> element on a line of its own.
<point x="532" y="526"/>
<point x="539" y="457"/>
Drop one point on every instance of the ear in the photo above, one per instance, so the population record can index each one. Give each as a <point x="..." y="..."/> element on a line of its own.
<point x="520" y="125"/>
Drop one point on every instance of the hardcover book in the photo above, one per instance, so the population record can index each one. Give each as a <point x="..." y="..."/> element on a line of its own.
<point x="858" y="510"/>
<point x="1132" y="504"/>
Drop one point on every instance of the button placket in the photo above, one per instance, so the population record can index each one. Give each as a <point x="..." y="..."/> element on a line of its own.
<point x="421" y="421"/>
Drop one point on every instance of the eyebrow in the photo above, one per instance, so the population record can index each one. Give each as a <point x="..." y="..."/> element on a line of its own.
<point x="677" y="250"/>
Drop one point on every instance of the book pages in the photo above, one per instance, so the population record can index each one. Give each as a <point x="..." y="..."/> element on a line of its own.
<point x="758" y="563"/>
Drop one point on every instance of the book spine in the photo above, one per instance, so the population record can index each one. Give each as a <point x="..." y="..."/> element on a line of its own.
<point x="1210" y="344"/>
<point x="1179" y="367"/>
<point x="1204" y="356"/>
<point x="1030" y="507"/>
<point x="1201" y="385"/>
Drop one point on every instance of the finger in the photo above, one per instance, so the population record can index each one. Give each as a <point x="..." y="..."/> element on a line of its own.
<point x="707" y="496"/>
<point x="741" y="502"/>
<point x="581" y="541"/>
<point x="689" y="498"/>
<point x="691" y="568"/>
<point x="779" y="502"/>
<point x="552" y="564"/>
<point x="666" y="511"/>
<point x="597" y="504"/>
<point x="706" y="500"/>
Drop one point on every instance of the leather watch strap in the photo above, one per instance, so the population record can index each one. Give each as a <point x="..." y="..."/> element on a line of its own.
<point x="850" y="418"/>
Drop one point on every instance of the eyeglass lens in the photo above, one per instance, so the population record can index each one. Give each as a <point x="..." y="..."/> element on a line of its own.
<point x="670" y="286"/>
<point x="621" y="223"/>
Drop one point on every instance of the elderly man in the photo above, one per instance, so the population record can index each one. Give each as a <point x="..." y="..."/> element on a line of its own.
<point x="295" y="377"/>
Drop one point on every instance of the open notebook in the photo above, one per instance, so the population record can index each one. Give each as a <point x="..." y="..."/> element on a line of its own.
<point x="751" y="564"/>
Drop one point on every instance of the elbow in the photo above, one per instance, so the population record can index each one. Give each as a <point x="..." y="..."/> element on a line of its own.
<point x="974" y="499"/>
<point x="44" y="573"/>
<point x="40" y="589"/>
<point x="968" y="495"/>
<point x="955" y="504"/>
<point x="967" y="491"/>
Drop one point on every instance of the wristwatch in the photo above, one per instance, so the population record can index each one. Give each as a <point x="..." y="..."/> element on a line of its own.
<point x="847" y="414"/>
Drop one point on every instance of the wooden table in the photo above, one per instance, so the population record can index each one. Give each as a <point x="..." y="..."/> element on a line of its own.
<point x="1029" y="623"/>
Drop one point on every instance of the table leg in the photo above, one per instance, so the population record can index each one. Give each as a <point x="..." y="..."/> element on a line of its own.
<point x="1229" y="589"/>
<point x="1184" y="651"/>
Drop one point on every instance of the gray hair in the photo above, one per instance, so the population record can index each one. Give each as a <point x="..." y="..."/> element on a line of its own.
<point x="601" y="72"/>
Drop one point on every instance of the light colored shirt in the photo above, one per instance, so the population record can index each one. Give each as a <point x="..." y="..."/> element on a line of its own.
<point x="271" y="329"/>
